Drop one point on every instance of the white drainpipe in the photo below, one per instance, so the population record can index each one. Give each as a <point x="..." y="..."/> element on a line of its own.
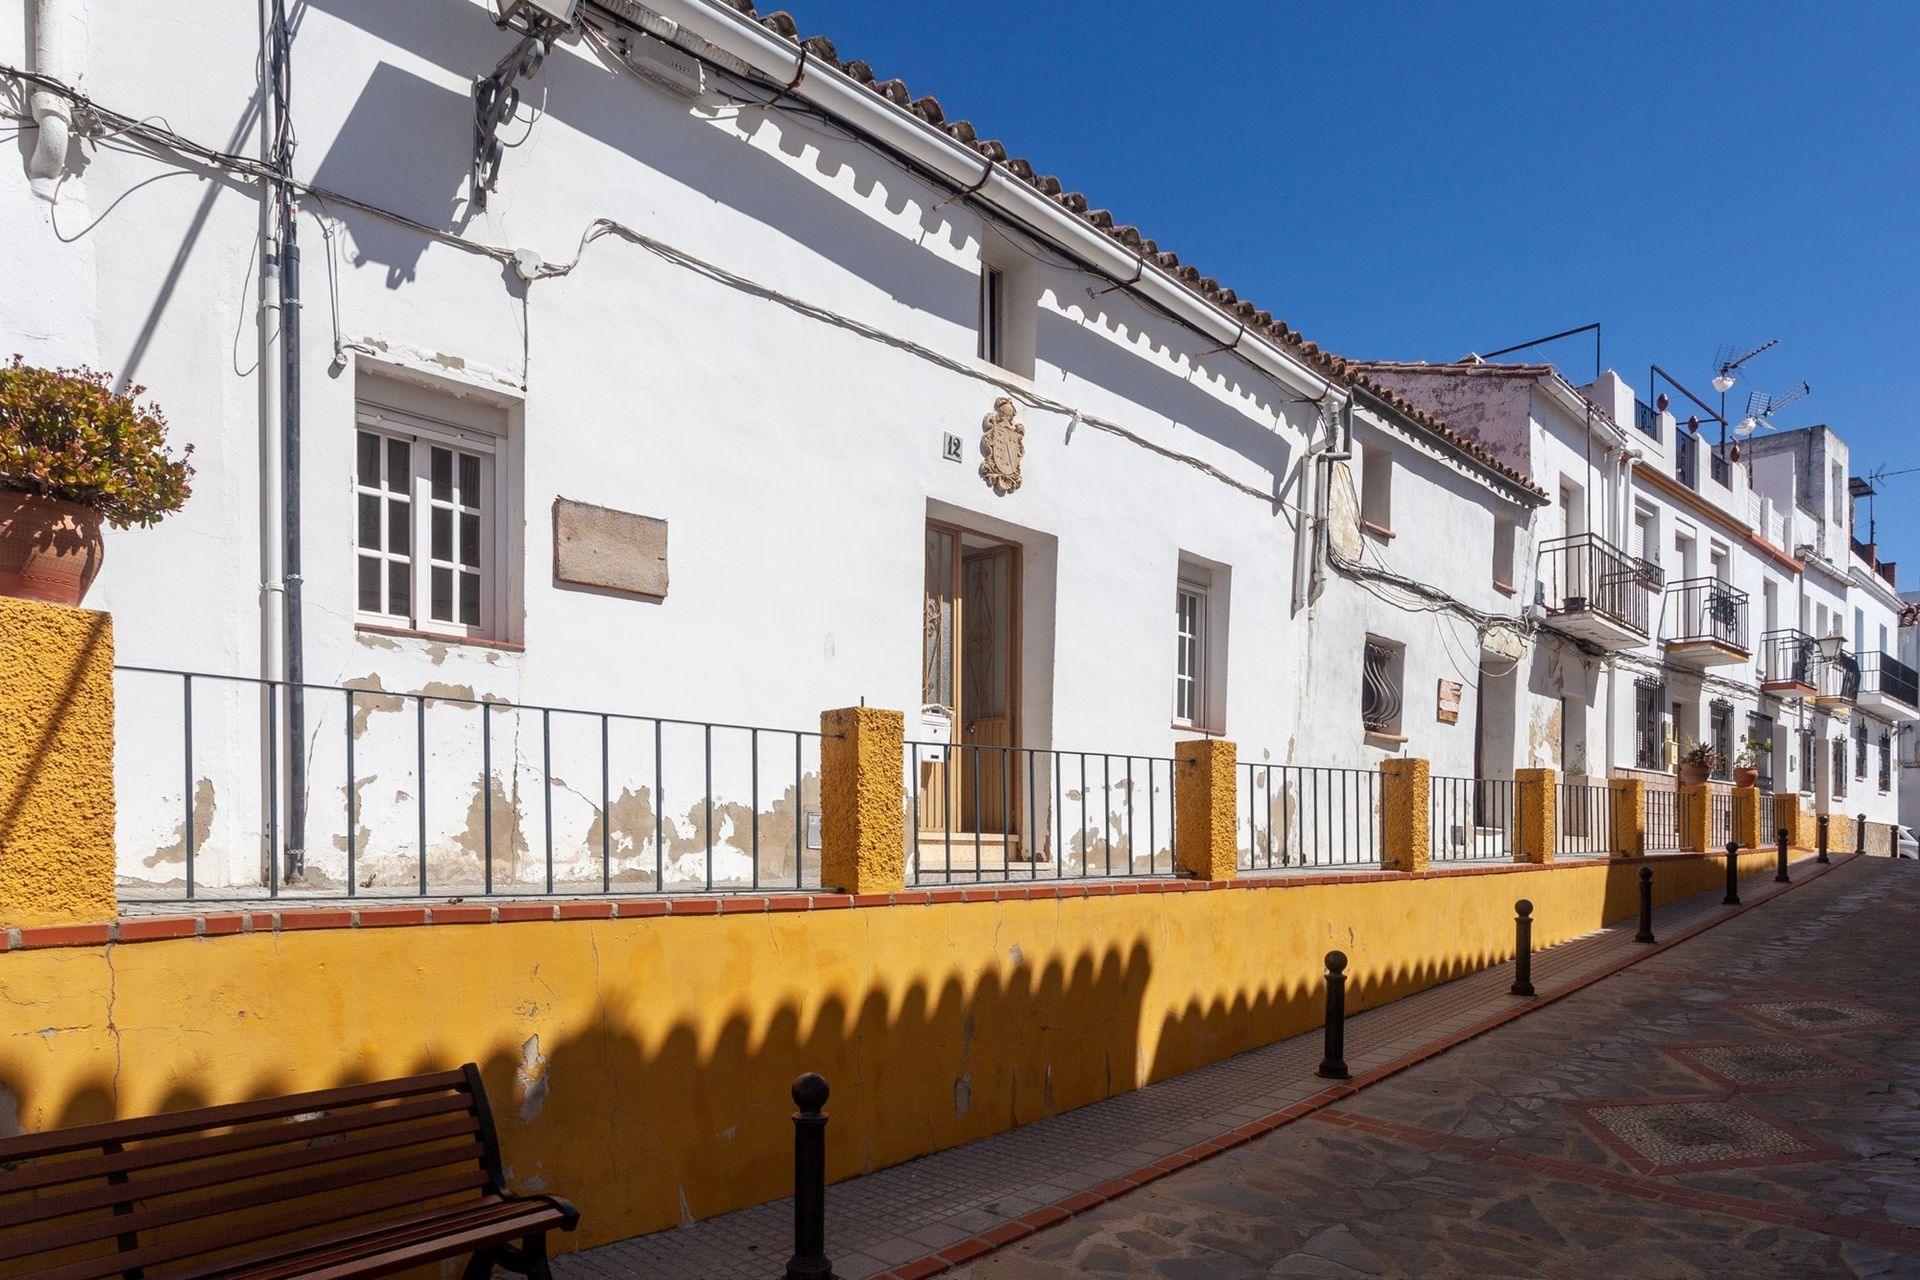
<point x="59" y="50"/>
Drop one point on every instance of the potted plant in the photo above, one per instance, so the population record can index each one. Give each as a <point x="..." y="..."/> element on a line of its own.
<point x="1698" y="760"/>
<point x="73" y="453"/>
<point x="1746" y="761"/>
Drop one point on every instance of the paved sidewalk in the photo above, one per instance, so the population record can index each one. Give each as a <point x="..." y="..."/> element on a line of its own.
<point x="1741" y="1103"/>
<point x="922" y="1217"/>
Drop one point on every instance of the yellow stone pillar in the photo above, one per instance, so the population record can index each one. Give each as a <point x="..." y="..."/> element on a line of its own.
<point x="56" y="764"/>
<point x="1534" y="814"/>
<point x="1405" y="813"/>
<point x="863" y="832"/>
<point x="1786" y="814"/>
<point x="1696" y="818"/>
<point x="1629" y="818"/>
<point x="1746" y="819"/>
<point x="1204" y="798"/>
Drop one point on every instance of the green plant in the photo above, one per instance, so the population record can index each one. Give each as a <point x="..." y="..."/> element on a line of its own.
<point x="67" y="434"/>
<point x="1751" y="752"/>
<point x="1704" y="754"/>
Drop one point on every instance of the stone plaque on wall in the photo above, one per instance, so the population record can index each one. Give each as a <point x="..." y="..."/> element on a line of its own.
<point x="1449" y="707"/>
<point x="612" y="550"/>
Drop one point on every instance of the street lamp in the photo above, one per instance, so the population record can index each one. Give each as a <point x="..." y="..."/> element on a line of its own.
<point x="1830" y="646"/>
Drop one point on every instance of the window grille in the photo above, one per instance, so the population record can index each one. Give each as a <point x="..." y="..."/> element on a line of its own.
<point x="1886" y="761"/>
<point x="1839" y="767"/>
<point x="1380" y="689"/>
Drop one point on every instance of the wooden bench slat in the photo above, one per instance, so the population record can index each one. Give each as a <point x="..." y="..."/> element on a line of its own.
<point x="184" y="1149"/>
<point x="216" y="1173"/>
<point x="507" y="1221"/>
<point x="33" y="1146"/>
<point x="204" y="1207"/>
<point x="249" y="1232"/>
<point x="387" y="1261"/>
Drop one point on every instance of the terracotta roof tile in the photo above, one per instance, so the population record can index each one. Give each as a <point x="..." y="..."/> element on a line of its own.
<point x="1329" y="365"/>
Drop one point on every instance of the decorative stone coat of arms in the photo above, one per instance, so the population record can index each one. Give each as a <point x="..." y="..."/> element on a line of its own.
<point x="1003" y="442"/>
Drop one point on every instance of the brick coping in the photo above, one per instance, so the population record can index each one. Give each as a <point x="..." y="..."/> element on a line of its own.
<point x="347" y="914"/>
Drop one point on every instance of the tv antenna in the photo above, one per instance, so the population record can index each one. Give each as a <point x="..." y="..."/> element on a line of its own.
<point x="1727" y="361"/>
<point x="1761" y="408"/>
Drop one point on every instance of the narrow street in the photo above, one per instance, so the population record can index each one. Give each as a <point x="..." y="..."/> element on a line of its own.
<point x="1743" y="1102"/>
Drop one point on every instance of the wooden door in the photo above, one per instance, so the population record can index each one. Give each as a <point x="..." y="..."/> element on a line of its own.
<point x="970" y="673"/>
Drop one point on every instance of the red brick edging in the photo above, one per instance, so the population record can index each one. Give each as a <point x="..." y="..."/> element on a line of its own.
<point x="346" y="914"/>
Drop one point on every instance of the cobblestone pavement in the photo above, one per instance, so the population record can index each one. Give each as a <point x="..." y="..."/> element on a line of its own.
<point x="899" y="1222"/>
<point x="1743" y="1102"/>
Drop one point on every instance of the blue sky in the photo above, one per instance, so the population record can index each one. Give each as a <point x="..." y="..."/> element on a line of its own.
<point x="1415" y="181"/>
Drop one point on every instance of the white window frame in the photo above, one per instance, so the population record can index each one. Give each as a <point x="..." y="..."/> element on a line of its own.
<point x="1192" y="601"/>
<point x="423" y="434"/>
<point x="993" y="315"/>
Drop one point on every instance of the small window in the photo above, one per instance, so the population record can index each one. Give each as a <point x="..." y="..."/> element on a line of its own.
<point x="993" y="315"/>
<point x="1886" y="761"/>
<point x="1376" y="490"/>
<point x="1190" y="653"/>
<point x="1199" y="646"/>
<point x="1839" y="767"/>
<point x="1648" y="739"/>
<point x="1503" y="534"/>
<point x="1382" y="677"/>
<point x="1860" y="751"/>
<point x="428" y="497"/>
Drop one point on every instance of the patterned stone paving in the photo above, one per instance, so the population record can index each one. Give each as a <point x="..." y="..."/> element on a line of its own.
<point x="895" y="1222"/>
<point x="1694" y="1135"/>
<point x="1580" y="1141"/>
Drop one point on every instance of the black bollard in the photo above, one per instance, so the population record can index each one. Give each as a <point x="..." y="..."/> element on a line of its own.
<point x="1646" y="906"/>
<point x="1522" y="948"/>
<point x="1860" y="834"/>
<point x="1334" y="1065"/>
<point x="809" y="1260"/>
<point x="1733" y="876"/>
<point x="1780" y="876"/>
<point x="1823" y="840"/>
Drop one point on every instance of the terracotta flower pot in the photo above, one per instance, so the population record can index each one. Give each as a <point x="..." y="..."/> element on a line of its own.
<point x="49" y="550"/>
<point x="1743" y="777"/>
<point x="1693" y="775"/>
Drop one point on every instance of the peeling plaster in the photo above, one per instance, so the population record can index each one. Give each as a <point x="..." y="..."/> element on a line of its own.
<point x="203" y="810"/>
<point x="531" y="1078"/>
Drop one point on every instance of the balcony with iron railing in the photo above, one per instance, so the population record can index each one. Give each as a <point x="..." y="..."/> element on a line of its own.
<point x="1888" y="685"/>
<point x="1595" y="591"/>
<point x="1836" y="680"/>
<point x="1706" y="623"/>
<point x="1788" y="658"/>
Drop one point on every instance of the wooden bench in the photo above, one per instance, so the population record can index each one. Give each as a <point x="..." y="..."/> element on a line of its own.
<point x="365" y="1180"/>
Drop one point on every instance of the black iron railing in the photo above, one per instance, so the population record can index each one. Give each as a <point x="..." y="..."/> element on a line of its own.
<point x="1837" y="677"/>
<point x="1769" y="829"/>
<point x="1886" y="761"/>
<point x="451" y="794"/>
<point x="1719" y="820"/>
<point x="1664" y="816"/>
<point x="1886" y="675"/>
<point x="1471" y="819"/>
<point x="1583" y="821"/>
<point x="1788" y="656"/>
<point x="1707" y="610"/>
<point x="990" y="813"/>
<point x="1585" y="573"/>
<point x="1686" y="458"/>
<point x="1307" y="816"/>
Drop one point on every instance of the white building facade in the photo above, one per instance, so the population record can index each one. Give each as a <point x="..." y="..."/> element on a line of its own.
<point x="736" y="384"/>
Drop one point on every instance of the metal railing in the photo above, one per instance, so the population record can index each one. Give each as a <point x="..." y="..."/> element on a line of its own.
<point x="1686" y="458"/>
<point x="1665" y="815"/>
<point x="1707" y="610"/>
<point x="1586" y="572"/>
<point x="1308" y="816"/>
<point x="1471" y="819"/>
<point x="446" y="794"/>
<point x="1837" y="678"/>
<point x="983" y="813"/>
<point x="1769" y="827"/>
<point x="1886" y="675"/>
<point x="1788" y="656"/>
<point x="1583" y="819"/>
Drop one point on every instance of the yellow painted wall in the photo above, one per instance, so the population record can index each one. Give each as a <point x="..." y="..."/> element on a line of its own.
<point x="56" y="764"/>
<point x="641" y="1066"/>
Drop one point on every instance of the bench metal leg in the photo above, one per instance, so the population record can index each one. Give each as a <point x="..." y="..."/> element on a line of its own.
<point x="532" y="1259"/>
<point x="481" y="1265"/>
